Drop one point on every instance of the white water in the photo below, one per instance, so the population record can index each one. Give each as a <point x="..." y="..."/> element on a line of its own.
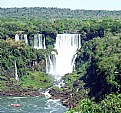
<point x="35" y="41"/>
<point x="25" y="38"/>
<point x="44" y="47"/>
<point x="39" y="41"/>
<point x="16" y="75"/>
<point x="16" y="37"/>
<point x="30" y="105"/>
<point x="63" y="62"/>
<point x="21" y="37"/>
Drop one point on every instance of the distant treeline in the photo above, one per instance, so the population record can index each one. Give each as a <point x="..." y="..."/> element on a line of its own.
<point x="56" y="13"/>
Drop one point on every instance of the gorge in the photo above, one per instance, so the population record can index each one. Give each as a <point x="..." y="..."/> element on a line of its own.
<point x="57" y="64"/>
<point x="38" y="54"/>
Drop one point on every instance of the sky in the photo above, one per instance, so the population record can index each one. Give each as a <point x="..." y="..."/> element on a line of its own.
<point x="72" y="4"/>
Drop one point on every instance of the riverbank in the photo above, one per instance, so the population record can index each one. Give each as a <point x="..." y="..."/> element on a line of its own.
<point x="68" y="98"/>
<point x="24" y="92"/>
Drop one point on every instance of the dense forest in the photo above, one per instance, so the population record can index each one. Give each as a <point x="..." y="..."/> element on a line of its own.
<point x="94" y="86"/>
<point x="56" y="13"/>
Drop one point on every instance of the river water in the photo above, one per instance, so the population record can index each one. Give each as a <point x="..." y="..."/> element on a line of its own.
<point x="30" y="105"/>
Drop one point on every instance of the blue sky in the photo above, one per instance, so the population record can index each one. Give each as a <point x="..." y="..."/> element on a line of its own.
<point x="72" y="4"/>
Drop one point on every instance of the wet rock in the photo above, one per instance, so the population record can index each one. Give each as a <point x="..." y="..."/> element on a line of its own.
<point x="20" y="93"/>
<point x="68" y="99"/>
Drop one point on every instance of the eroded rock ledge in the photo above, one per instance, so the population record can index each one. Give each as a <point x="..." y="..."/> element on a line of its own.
<point x="21" y="93"/>
<point x="67" y="98"/>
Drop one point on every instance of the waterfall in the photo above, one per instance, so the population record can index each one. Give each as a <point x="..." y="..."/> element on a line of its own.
<point x="44" y="47"/>
<point x="39" y="41"/>
<point x="16" y="37"/>
<point x="49" y="65"/>
<point x="35" y="41"/>
<point x="16" y="75"/>
<point x="21" y="37"/>
<point x="63" y="62"/>
<point x="25" y="38"/>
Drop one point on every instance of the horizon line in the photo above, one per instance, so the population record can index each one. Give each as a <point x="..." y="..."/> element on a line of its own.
<point x="63" y="8"/>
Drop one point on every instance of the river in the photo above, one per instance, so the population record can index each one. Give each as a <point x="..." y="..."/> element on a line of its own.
<point x="30" y="105"/>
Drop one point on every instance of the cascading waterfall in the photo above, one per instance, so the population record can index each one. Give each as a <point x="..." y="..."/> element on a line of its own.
<point x="25" y="38"/>
<point x="44" y="46"/>
<point x="16" y="37"/>
<point x="35" y="41"/>
<point x="63" y="62"/>
<point x="39" y="41"/>
<point x="16" y="75"/>
<point x="21" y="37"/>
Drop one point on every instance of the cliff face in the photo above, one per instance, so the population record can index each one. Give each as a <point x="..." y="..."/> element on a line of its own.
<point x="30" y="68"/>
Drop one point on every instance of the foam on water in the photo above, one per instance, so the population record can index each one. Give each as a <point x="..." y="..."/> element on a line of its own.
<point x="31" y="105"/>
